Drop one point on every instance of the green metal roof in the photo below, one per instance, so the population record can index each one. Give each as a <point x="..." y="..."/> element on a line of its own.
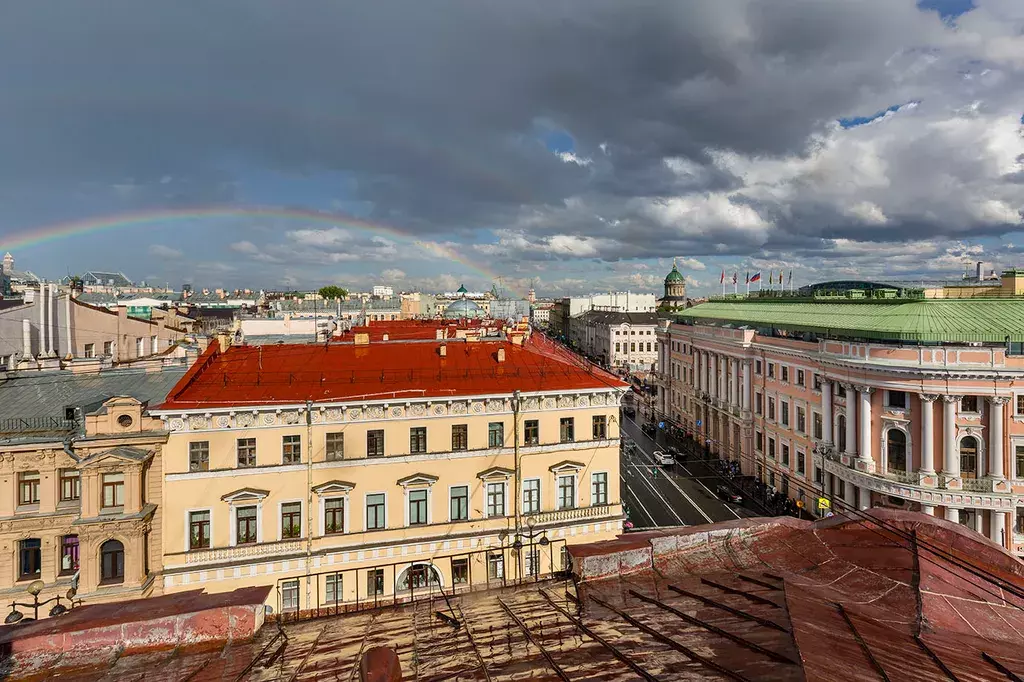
<point x="916" y="321"/>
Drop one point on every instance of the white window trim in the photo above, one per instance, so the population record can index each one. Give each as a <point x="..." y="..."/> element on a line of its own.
<point x="469" y="501"/>
<point x="302" y="519"/>
<point x="504" y="485"/>
<point x="575" y="490"/>
<point x="430" y="503"/>
<point x="906" y="403"/>
<point x="366" y="516"/>
<point x="233" y="513"/>
<point x="607" y="487"/>
<point x="346" y="513"/>
<point x="540" y="496"/>
<point x="188" y="529"/>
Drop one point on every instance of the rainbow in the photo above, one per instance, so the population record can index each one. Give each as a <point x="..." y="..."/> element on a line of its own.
<point x="49" y="233"/>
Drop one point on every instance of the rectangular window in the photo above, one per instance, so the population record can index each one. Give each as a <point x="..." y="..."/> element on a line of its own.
<point x="333" y="591"/>
<point x="618" y="346"/>
<point x="801" y="420"/>
<point x="771" y="370"/>
<point x="375" y="443"/>
<point x="290" y="595"/>
<point x="112" y="493"/>
<point x="199" y="530"/>
<point x="108" y="348"/>
<point x="334" y="515"/>
<point x="459" y="503"/>
<point x="30" y="558"/>
<point x="199" y="455"/>
<point x="632" y="346"/>
<point x="375" y="581"/>
<point x="246" y="449"/>
<point x="417" y="507"/>
<point x="599" y="488"/>
<point x="531" y="432"/>
<point x="758" y="441"/>
<point x="897" y="400"/>
<point x="566" y="492"/>
<point x="758" y="403"/>
<point x="969" y="403"/>
<point x="334" y="446"/>
<point x="154" y="345"/>
<point x="531" y="562"/>
<point x="785" y="372"/>
<point x="140" y="347"/>
<point x="460" y="437"/>
<point x="785" y="455"/>
<point x="495" y="499"/>
<point x="28" y="487"/>
<point x="495" y="566"/>
<point x="771" y="448"/>
<point x="785" y="412"/>
<point x="245" y="525"/>
<point x="460" y="571"/>
<point x="800" y="377"/>
<point x="291" y="520"/>
<point x="418" y="440"/>
<point x="90" y="350"/>
<point x="801" y="463"/>
<point x="564" y="560"/>
<point x="817" y="426"/>
<point x="567" y="429"/>
<point x="757" y="367"/>
<point x="771" y="408"/>
<point x="496" y="434"/>
<point x="531" y="496"/>
<point x="817" y="382"/>
<point x="1020" y="405"/>
<point x="68" y="554"/>
<point x="291" y="449"/>
<point x="600" y="427"/>
<point x="375" y="511"/>
<point x="1019" y="456"/>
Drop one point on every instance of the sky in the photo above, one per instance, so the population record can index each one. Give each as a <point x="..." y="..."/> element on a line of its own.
<point x="575" y="146"/>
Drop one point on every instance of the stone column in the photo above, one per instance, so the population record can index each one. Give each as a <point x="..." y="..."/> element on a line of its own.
<point x="979" y="525"/>
<point x="927" y="433"/>
<point x="713" y="376"/>
<point x="746" y="385"/>
<point x="928" y="509"/>
<point x="849" y="496"/>
<point x="851" y="420"/>
<point x="864" y="501"/>
<point x="953" y="514"/>
<point x="723" y="384"/>
<point x="950" y="460"/>
<point x="826" y="411"/>
<point x="696" y="370"/>
<point x="865" y="423"/>
<point x="997" y="415"/>
<point x="734" y="389"/>
<point x="997" y="528"/>
<point x="41" y="303"/>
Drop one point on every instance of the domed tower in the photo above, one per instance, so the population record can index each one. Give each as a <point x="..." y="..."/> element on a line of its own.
<point x="675" y="289"/>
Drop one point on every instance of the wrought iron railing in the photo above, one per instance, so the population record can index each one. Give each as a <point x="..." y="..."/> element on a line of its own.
<point x="29" y="425"/>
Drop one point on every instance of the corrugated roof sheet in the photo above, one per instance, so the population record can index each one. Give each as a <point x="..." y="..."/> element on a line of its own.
<point x="989" y="321"/>
<point x="250" y="375"/>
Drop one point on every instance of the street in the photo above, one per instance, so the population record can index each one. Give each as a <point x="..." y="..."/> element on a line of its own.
<point x="674" y="495"/>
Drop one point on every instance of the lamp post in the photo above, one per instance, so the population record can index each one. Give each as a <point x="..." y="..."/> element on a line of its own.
<point x="34" y="588"/>
<point x="518" y="544"/>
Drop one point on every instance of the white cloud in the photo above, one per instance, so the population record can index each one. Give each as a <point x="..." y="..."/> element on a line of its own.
<point x="164" y="252"/>
<point x="246" y="247"/>
<point x="571" y="157"/>
<point x="392" y="275"/>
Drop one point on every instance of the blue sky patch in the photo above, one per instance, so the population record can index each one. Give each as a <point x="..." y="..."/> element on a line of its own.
<point x="947" y="9"/>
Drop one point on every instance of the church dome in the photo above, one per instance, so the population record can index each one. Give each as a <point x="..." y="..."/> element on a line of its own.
<point x="674" y="276"/>
<point x="463" y="308"/>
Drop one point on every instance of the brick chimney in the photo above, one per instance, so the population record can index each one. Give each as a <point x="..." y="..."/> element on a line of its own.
<point x="501" y="355"/>
<point x="442" y="350"/>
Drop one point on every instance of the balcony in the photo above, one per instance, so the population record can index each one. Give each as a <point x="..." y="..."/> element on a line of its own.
<point x="577" y="514"/>
<point x="976" y="493"/>
<point x="263" y="549"/>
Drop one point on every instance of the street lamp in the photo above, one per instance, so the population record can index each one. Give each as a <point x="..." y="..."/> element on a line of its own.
<point x="34" y="588"/>
<point x="518" y="544"/>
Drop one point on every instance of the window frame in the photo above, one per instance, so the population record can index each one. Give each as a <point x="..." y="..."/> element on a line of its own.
<point x="460" y="437"/>
<point x="560" y="490"/>
<point x="462" y="498"/>
<point x="496" y="434"/>
<point x="422" y="506"/>
<point x="198" y="456"/>
<point x="115" y="579"/>
<point x="291" y="448"/>
<point x="75" y="554"/>
<point x="247" y="446"/>
<point x="375" y="437"/>
<point x="25" y="551"/>
<point x="599" y="426"/>
<point x="281" y="520"/>
<point x="115" y="486"/>
<point x="567" y="429"/>
<point x="255" y="522"/>
<point x="502" y="487"/>
<point x="383" y="508"/>
<point x="531" y="432"/>
<point x="598" y="488"/>
<point x="188" y="528"/>
<point x="29" y="482"/>
<point x="334" y="446"/>
<point x="326" y="510"/>
<point x="417" y="440"/>
<point x="531" y="498"/>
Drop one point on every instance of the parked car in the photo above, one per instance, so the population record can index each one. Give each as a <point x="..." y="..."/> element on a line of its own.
<point x="630" y="412"/>
<point x="726" y="493"/>
<point x="649" y="429"/>
<point x="664" y="458"/>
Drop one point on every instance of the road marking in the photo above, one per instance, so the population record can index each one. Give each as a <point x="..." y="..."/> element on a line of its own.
<point x="636" y="498"/>
<point x="676" y="486"/>
<point x="724" y="504"/>
<point x="660" y="497"/>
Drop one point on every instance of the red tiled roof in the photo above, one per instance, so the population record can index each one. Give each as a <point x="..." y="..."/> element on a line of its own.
<point x="412" y="330"/>
<point x="253" y="375"/>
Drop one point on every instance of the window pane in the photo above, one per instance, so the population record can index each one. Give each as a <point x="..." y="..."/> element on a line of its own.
<point x="495" y="434"/>
<point x="375" y="443"/>
<point x="495" y="499"/>
<point x="291" y="449"/>
<point x="417" y="507"/>
<point x="460" y="437"/>
<point x="531" y="496"/>
<point x="599" y="489"/>
<point x="418" y="440"/>
<point x="335" y="447"/>
<point x="531" y="432"/>
<point x="459" y="503"/>
<point x="375" y="511"/>
<point x="246" y="452"/>
<point x="291" y="520"/>
<point x="199" y="456"/>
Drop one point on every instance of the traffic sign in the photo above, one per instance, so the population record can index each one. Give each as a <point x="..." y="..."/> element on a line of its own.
<point x="661" y="425"/>
<point x="700" y="422"/>
<point x="824" y="503"/>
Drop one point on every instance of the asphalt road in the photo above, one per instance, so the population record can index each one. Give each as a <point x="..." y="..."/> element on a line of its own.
<point x="673" y="495"/>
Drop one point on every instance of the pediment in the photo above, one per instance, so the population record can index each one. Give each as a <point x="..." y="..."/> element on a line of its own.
<point x="417" y="479"/>
<point x="495" y="472"/>
<point x="333" y="487"/>
<point x="119" y="454"/>
<point x="245" y="495"/>
<point x="567" y="465"/>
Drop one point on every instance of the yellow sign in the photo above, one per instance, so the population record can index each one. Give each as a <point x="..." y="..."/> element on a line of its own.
<point x="823" y="503"/>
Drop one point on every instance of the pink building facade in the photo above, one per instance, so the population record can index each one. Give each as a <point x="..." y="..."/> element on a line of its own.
<point x="936" y="429"/>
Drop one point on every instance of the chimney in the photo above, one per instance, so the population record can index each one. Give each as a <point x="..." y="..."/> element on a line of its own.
<point x="26" y="338"/>
<point x="362" y="339"/>
<point x="442" y="350"/>
<point x="439" y="334"/>
<point x="501" y="355"/>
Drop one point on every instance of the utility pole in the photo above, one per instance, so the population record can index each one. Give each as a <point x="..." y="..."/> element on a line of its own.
<point x="515" y="478"/>
<point x="309" y="501"/>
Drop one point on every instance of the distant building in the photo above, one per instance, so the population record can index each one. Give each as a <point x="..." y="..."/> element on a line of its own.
<point x="540" y="314"/>
<point x="381" y="291"/>
<point x="566" y="310"/>
<point x="621" y="340"/>
<point x="510" y="309"/>
<point x="675" y="291"/>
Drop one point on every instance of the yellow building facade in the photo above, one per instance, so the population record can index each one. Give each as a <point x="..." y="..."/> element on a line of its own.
<point x="340" y="501"/>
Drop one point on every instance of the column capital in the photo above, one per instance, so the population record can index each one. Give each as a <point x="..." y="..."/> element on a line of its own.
<point x="865" y="389"/>
<point x="929" y="397"/>
<point x="998" y="401"/>
<point x="951" y="398"/>
<point x="848" y="386"/>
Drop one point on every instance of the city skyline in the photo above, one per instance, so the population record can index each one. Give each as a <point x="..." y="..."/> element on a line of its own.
<point x="878" y="138"/>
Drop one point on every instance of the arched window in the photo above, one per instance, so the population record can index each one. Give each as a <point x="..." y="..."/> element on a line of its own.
<point x="896" y="450"/>
<point x="968" y="456"/>
<point x="111" y="562"/>
<point x="841" y="432"/>
<point x="418" y="577"/>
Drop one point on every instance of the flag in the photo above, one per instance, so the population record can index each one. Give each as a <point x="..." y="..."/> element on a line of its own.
<point x="734" y="278"/>
<point x="790" y="276"/>
<point x="721" y="280"/>
<point x="771" y="277"/>
<point x="756" y="277"/>
<point x="748" y="276"/>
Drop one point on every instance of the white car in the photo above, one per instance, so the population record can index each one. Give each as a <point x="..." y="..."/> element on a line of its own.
<point x="663" y="457"/>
